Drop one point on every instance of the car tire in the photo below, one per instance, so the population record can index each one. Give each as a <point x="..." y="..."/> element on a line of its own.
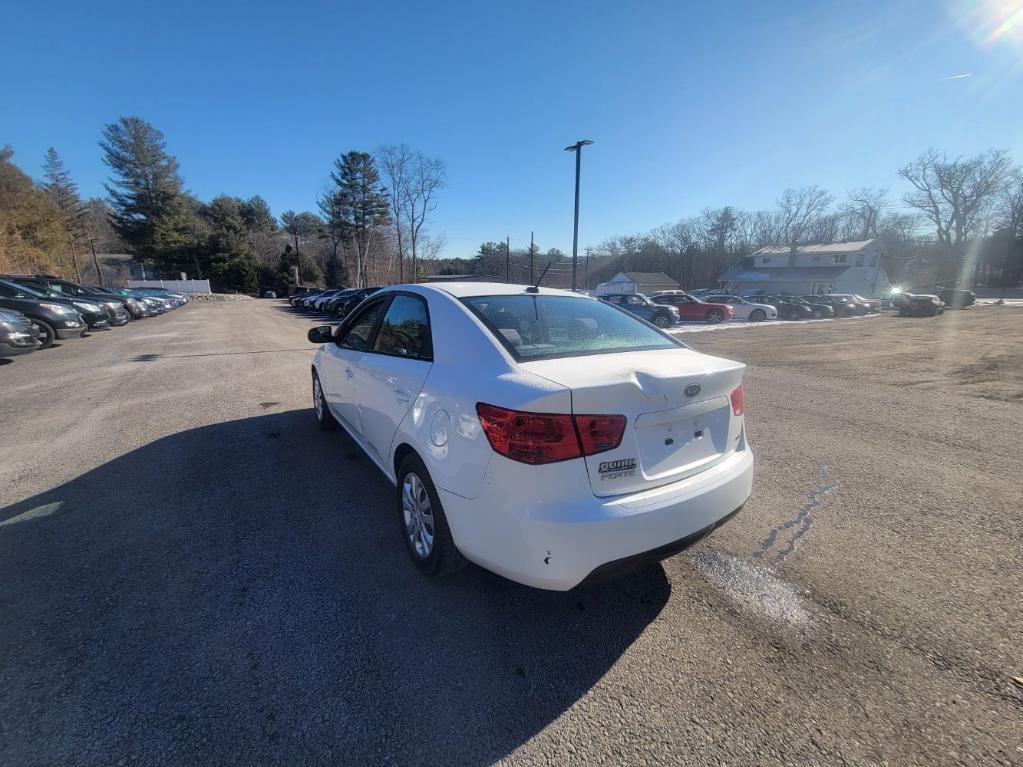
<point x="757" y="315"/>
<point x="422" y="523"/>
<point x="324" y="418"/>
<point x="47" y="335"/>
<point x="661" y="320"/>
<point x="714" y="316"/>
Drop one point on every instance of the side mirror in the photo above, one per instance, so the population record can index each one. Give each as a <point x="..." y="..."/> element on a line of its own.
<point x="321" y="334"/>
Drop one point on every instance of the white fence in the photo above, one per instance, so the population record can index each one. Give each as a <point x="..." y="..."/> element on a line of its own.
<point x="181" y="286"/>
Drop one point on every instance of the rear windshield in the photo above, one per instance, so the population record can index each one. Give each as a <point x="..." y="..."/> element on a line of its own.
<point x="544" y="327"/>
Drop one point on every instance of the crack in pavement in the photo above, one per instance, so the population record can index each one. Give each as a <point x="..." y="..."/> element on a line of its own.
<point x="803" y="520"/>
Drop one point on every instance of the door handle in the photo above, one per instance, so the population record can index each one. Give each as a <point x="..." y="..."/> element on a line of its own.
<point x="348" y="372"/>
<point x="403" y="395"/>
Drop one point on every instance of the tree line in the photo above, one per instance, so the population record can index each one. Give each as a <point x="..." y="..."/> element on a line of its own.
<point x="371" y="224"/>
<point x="959" y="222"/>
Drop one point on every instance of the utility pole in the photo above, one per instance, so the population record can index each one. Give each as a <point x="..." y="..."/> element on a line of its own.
<point x="507" y="259"/>
<point x="531" y="258"/>
<point x="577" y="147"/>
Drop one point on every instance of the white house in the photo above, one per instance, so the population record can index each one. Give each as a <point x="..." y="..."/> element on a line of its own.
<point x="839" y="267"/>
<point x="637" y="282"/>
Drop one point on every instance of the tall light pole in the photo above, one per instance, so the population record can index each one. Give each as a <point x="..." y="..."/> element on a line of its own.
<point x="577" y="147"/>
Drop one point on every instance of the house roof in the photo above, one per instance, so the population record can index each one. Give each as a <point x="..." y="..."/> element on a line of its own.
<point x="831" y="247"/>
<point x="646" y="278"/>
<point x="742" y="273"/>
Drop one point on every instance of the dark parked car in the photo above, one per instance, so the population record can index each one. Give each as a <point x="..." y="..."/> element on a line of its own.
<point x="956" y="298"/>
<point x="917" y="304"/>
<point x="861" y="305"/>
<point x="356" y="298"/>
<point x="95" y="315"/>
<point x="17" y="334"/>
<point x="53" y="318"/>
<point x="789" y="307"/>
<point x="660" y="315"/>
<point x="331" y="304"/>
<point x="117" y="310"/>
<point x="842" y="307"/>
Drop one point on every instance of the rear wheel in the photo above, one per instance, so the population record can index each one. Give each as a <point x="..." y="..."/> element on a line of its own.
<point x="714" y="316"/>
<point x="46" y="333"/>
<point x="758" y="315"/>
<point x="324" y="418"/>
<point x="424" y="528"/>
<point x="661" y="320"/>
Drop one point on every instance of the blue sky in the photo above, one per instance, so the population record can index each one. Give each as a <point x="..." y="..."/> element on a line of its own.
<point x="689" y="105"/>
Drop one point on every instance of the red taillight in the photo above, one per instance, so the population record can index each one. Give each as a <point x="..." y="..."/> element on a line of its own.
<point x="738" y="404"/>
<point x="536" y="438"/>
<point x="598" y="433"/>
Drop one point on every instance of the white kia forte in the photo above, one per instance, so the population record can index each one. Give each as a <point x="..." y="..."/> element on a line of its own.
<point x="544" y="435"/>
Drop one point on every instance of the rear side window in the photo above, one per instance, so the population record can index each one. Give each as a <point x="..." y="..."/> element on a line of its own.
<point x="405" y="331"/>
<point x="545" y="327"/>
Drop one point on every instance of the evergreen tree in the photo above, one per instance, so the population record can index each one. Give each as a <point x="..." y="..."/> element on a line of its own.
<point x="362" y="203"/>
<point x="150" y="210"/>
<point x="64" y="192"/>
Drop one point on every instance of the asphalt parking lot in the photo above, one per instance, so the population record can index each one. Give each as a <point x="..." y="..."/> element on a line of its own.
<point x="192" y="573"/>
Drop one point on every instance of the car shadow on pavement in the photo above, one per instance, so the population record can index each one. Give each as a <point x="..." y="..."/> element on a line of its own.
<point x="239" y="593"/>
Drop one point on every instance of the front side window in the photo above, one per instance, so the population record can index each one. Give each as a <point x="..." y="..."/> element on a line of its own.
<point x="545" y="327"/>
<point x="357" y="336"/>
<point x="405" y="331"/>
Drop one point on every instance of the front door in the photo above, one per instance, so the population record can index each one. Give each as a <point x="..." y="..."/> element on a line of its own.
<point x="341" y="364"/>
<point x="392" y="373"/>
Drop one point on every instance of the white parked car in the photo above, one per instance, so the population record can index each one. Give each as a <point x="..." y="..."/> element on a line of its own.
<point x="744" y="308"/>
<point x="542" y="434"/>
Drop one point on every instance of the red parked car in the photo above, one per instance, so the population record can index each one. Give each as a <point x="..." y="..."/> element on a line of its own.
<point x="691" y="308"/>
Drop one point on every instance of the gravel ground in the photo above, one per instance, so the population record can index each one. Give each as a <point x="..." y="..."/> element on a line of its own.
<point x="192" y="573"/>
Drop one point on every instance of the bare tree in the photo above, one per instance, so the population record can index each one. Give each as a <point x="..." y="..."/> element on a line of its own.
<point x="861" y="213"/>
<point x="955" y="194"/>
<point x="414" y="180"/>
<point x="396" y="162"/>
<point x="1011" y="208"/>
<point x="800" y="210"/>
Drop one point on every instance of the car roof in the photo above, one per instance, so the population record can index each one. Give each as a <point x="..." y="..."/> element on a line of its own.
<point x="472" y="289"/>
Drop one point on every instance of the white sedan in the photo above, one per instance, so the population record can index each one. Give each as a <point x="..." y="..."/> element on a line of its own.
<point x="544" y="435"/>
<point x="744" y="309"/>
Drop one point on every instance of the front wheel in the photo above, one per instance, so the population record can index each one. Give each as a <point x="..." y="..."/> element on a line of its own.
<point x="714" y="316"/>
<point x="324" y="418"/>
<point x="758" y="315"/>
<point x="424" y="528"/>
<point x="661" y="320"/>
<point x="47" y="335"/>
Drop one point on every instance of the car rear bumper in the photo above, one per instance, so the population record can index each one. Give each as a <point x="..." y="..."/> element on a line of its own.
<point x="557" y="543"/>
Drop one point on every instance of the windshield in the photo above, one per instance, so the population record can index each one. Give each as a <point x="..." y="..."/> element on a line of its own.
<point x="32" y="291"/>
<point x="544" y="327"/>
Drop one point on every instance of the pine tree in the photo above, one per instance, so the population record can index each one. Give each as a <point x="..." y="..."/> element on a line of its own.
<point x="150" y="210"/>
<point x="60" y="188"/>
<point x="362" y="203"/>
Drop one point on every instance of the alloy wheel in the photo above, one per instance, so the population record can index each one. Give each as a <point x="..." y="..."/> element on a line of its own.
<point x="417" y="512"/>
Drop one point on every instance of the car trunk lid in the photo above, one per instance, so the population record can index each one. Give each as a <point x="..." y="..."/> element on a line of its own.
<point x="676" y="402"/>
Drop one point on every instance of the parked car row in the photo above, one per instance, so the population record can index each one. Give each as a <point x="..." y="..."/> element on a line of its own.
<point x="38" y="309"/>
<point x="668" y="307"/>
<point x="335" y="302"/>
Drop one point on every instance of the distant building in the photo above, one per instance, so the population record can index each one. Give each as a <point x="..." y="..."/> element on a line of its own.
<point x="637" y="282"/>
<point x="840" y="267"/>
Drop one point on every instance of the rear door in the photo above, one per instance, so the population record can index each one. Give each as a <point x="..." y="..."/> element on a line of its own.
<point x="676" y="401"/>
<point x="392" y="372"/>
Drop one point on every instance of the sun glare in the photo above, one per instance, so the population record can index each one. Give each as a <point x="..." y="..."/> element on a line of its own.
<point x="989" y="22"/>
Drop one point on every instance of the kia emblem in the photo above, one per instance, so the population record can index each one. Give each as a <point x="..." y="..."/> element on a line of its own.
<point x="692" y="390"/>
